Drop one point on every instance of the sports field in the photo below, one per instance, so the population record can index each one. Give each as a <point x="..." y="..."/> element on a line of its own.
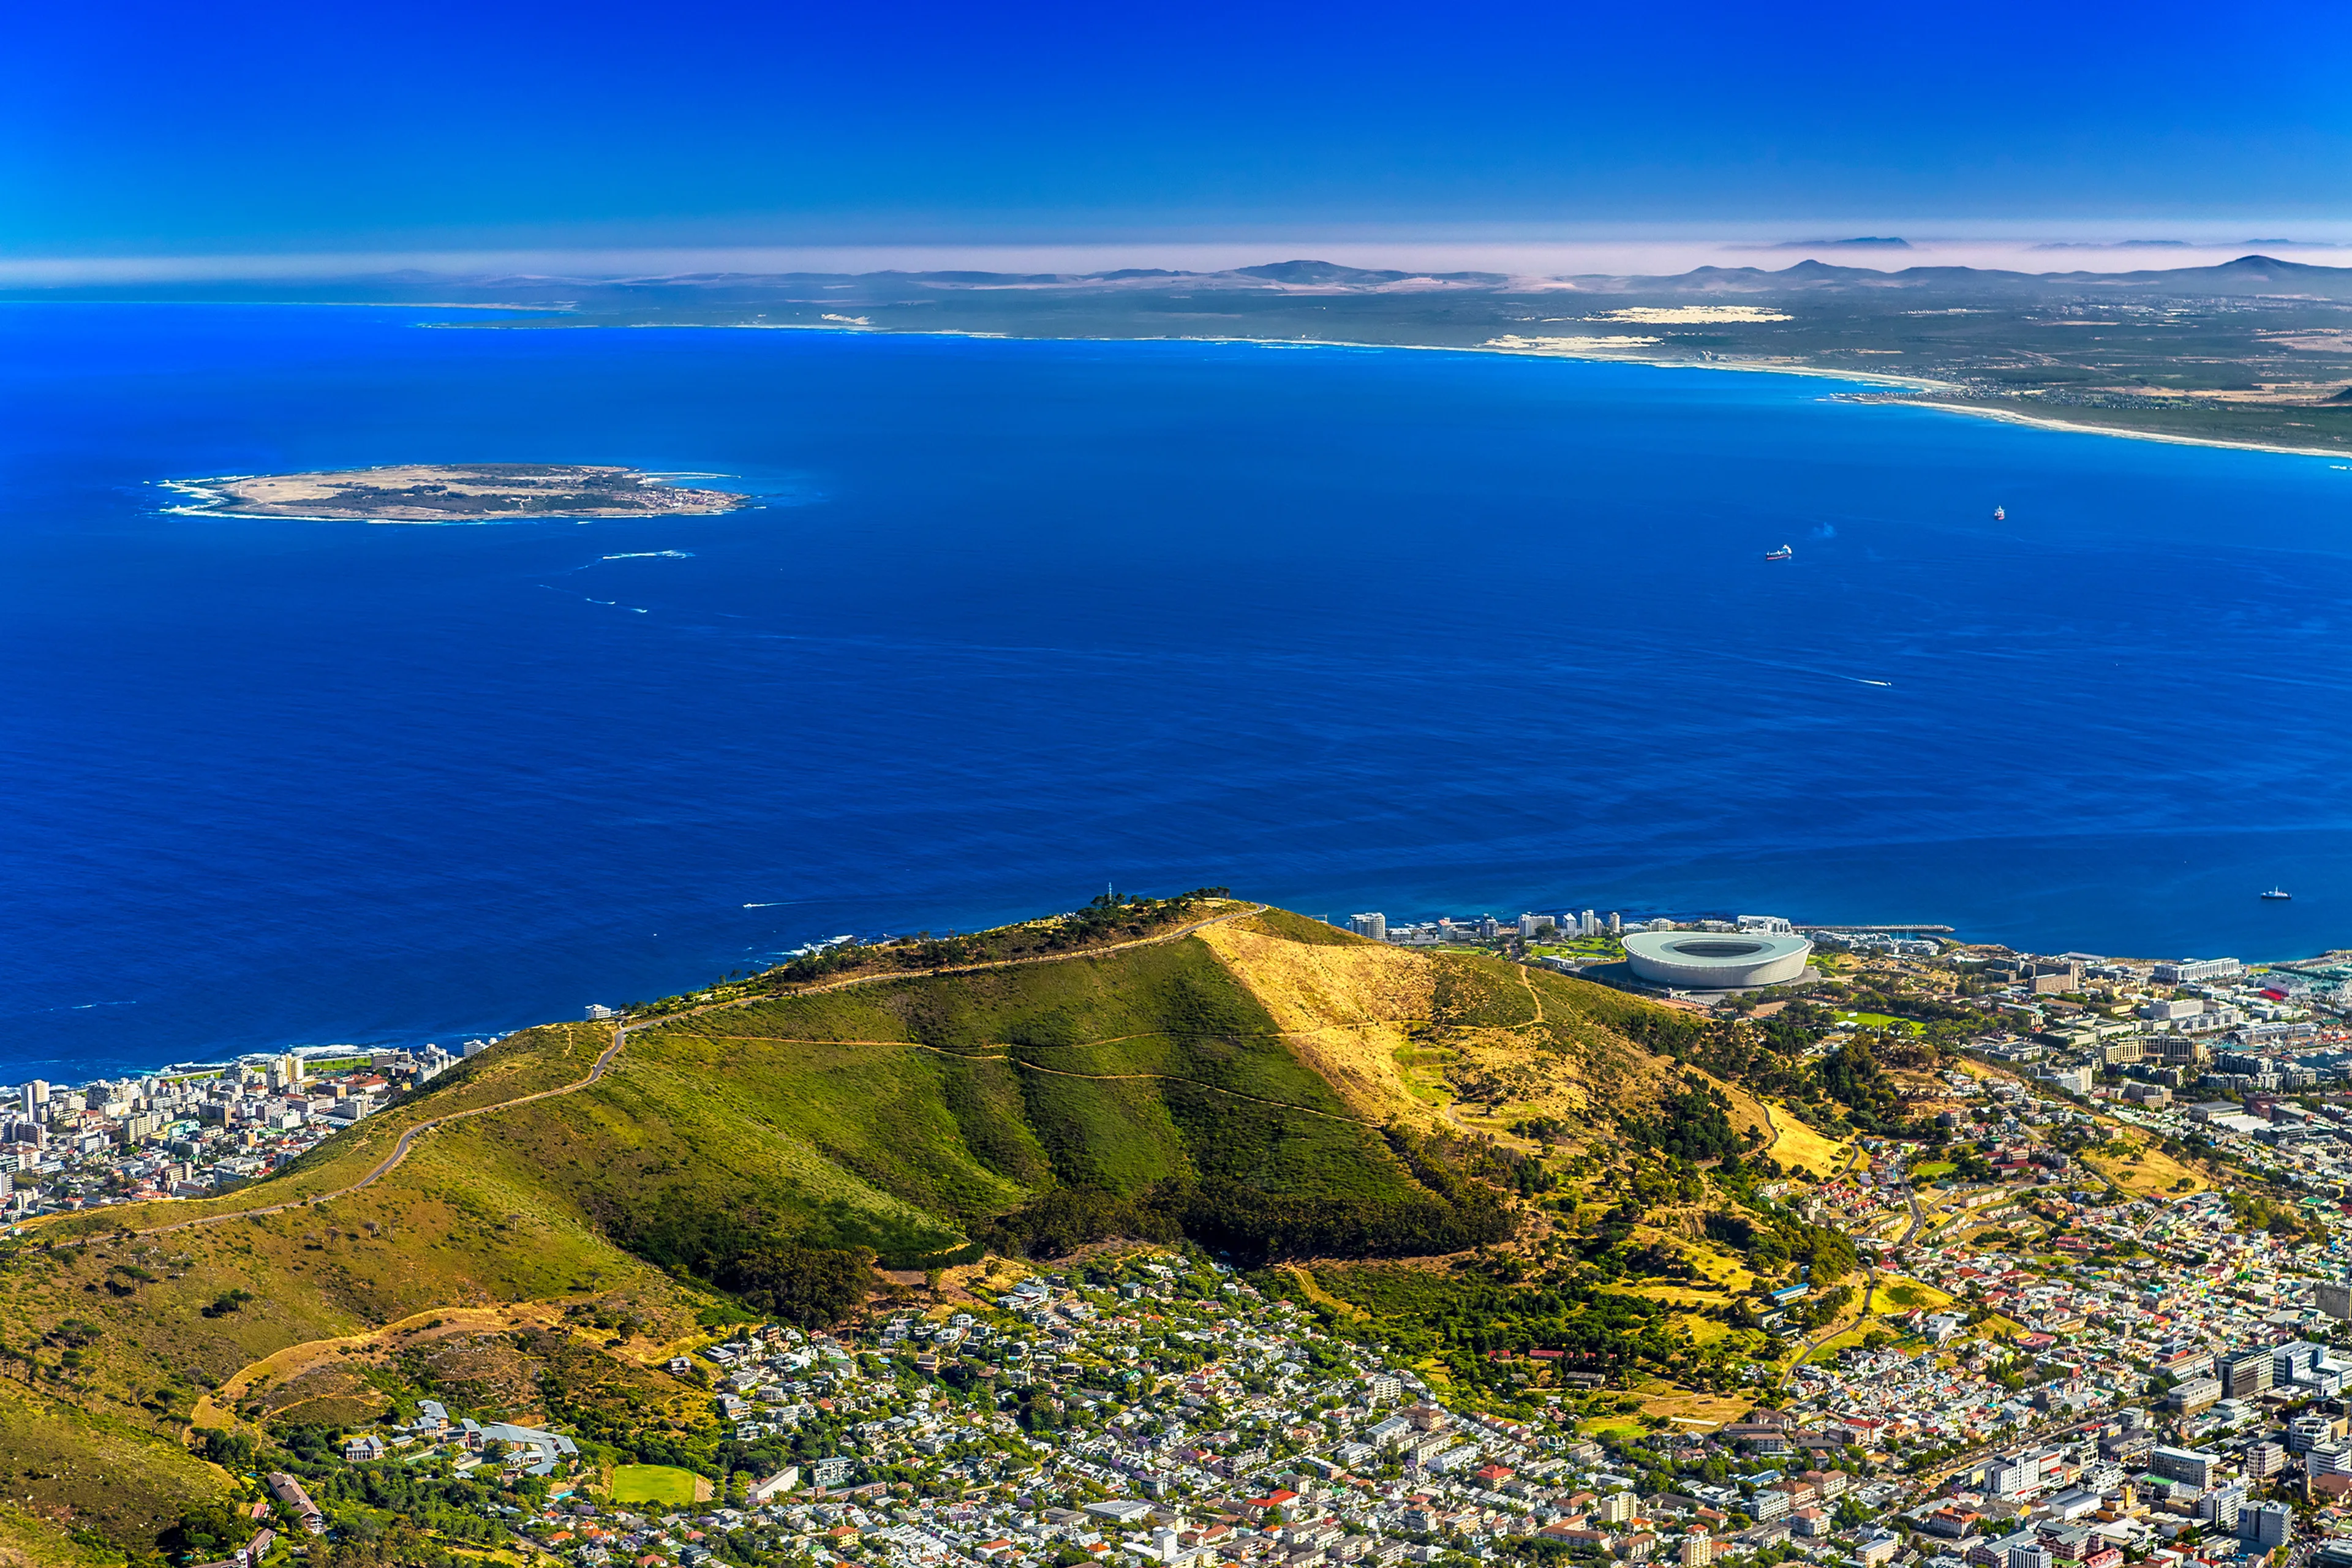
<point x="656" y="1483"/>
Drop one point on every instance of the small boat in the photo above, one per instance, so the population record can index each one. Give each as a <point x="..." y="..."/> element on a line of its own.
<point x="2001" y="514"/>
<point x="2279" y="894"/>
<point x="1783" y="553"/>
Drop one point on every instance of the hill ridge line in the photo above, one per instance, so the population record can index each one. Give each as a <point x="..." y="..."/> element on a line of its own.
<point x="844" y="984"/>
<point x="621" y="1033"/>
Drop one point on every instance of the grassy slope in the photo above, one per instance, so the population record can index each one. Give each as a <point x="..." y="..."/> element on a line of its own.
<point x="27" y="1540"/>
<point x="534" y="1060"/>
<point x="70" y="1468"/>
<point x="895" y="1115"/>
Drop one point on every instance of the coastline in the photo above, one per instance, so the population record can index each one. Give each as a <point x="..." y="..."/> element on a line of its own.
<point x="1821" y="373"/>
<point x="2010" y="415"/>
<point x="1879" y="378"/>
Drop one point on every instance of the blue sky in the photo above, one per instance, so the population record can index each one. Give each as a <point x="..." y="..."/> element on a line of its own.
<point x="252" y="125"/>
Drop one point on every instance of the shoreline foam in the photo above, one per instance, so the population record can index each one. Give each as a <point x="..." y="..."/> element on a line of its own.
<point x="2042" y="422"/>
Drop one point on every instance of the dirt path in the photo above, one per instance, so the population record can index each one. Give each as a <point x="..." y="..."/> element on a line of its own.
<point x="408" y="1138"/>
<point x="1059" y="1072"/>
<point x="621" y="1034"/>
<point x="1196" y="1083"/>
<point x="291" y="1362"/>
<point x="1528" y="981"/>
<point x="880" y="975"/>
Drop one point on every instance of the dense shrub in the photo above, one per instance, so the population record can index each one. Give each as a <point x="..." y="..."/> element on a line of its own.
<point x="1255" y="1226"/>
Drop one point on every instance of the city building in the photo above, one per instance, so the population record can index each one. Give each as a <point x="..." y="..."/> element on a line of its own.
<point x="2196" y="971"/>
<point x="2189" y="1465"/>
<point x="2266" y="1525"/>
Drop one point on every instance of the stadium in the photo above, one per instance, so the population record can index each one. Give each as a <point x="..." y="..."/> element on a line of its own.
<point x="1713" y="961"/>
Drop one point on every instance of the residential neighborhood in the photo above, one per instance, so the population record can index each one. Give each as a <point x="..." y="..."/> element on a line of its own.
<point x="2071" y="1343"/>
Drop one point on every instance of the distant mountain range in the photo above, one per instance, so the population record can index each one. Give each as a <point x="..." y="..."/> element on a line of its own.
<point x="2252" y="275"/>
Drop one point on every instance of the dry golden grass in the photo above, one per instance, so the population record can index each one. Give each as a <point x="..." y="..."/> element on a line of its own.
<point x="1304" y="1279"/>
<point x="1916" y="1295"/>
<point x="1725" y="1274"/>
<point x="1694" y="1412"/>
<point x="1342" y="1008"/>
<point x="1798" y="1147"/>
<point x="2152" y="1174"/>
<point x="1532" y="1083"/>
<point x="294" y="1362"/>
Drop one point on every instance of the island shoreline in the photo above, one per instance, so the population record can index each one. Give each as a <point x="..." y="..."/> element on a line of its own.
<point x="431" y="494"/>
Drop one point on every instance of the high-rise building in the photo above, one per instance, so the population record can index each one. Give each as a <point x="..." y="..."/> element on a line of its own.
<point x="2246" y="1373"/>
<point x="1588" y="924"/>
<point x="2190" y="1465"/>
<point x="1616" y="924"/>
<point x="36" y="1095"/>
<point x="2265" y="1525"/>
<point x="1375" y="926"/>
<point x="2218" y="1508"/>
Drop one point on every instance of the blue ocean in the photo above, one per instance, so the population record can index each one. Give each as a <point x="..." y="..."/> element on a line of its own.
<point x="1345" y="629"/>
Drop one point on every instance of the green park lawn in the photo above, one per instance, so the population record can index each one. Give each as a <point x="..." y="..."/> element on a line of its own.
<point x="1880" y="1021"/>
<point x="652" y="1483"/>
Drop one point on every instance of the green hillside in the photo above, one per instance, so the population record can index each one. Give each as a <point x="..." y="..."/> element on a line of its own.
<point x="1263" y="1086"/>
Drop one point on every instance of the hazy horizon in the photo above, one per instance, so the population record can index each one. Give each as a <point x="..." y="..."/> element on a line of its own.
<point x="2078" y="249"/>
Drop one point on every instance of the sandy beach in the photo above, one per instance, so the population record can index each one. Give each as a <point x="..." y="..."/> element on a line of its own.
<point x="2044" y="423"/>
